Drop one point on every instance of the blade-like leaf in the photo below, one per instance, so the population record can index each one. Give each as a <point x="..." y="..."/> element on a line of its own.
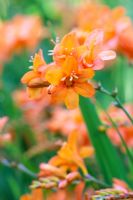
<point x="107" y="157"/>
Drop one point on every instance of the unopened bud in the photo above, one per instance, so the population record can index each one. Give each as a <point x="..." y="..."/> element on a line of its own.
<point x="115" y="92"/>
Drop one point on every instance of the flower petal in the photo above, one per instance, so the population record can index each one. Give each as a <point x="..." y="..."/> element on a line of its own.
<point x="69" y="41"/>
<point x="86" y="151"/>
<point x="98" y="64"/>
<point x="70" y="65"/>
<point x="54" y="76"/>
<point x="73" y="140"/>
<point x="84" y="89"/>
<point x="85" y="74"/>
<point x="38" y="60"/>
<point x="59" y="94"/>
<point x="71" y="99"/>
<point x="26" y="197"/>
<point x="34" y="93"/>
<point x="107" y="55"/>
<point x="28" y="76"/>
<point x="95" y="38"/>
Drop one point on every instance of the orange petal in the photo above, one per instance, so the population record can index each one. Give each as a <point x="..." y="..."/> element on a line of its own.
<point x="85" y="74"/>
<point x="37" y="194"/>
<point x="56" y="161"/>
<point x="34" y="93"/>
<point x="69" y="41"/>
<point x="84" y="89"/>
<point x="73" y="140"/>
<point x="54" y="76"/>
<point x="71" y="99"/>
<point x="28" y="76"/>
<point x="70" y="65"/>
<point x="49" y="168"/>
<point x="81" y="50"/>
<point x="26" y="197"/>
<point x="59" y="94"/>
<point x="38" y="60"/>
<point x="86" y="151"/>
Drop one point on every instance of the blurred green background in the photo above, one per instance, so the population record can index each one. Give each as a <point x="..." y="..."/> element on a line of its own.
<point x="12" y="182"/>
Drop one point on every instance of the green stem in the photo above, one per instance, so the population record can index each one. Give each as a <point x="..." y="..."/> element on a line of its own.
<point x="17" y="166"/>
<point x="119" y="133"/>
<point x="124" y="110"/>
<point x="115" y="97"/>
<point x="98" y="182"/>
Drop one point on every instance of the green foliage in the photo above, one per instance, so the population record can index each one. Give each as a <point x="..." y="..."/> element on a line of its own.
<point x="106" y="154"/>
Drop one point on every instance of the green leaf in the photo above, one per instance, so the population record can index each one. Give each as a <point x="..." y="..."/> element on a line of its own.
<point x="107" y="157"/>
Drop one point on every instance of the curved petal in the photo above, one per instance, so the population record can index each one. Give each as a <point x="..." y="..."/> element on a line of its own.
<point x="54" y="75"/>
<point x="73" y="140"/>
<point x="69" y="41"/>
<point x="86" y="151"/>
<point x="85" y="74"/>
<point x="70" y="65"/>
<point x="71" y="99"/>
<point x="84" y="89"/>
<point x="34" y="93"/>
<point x="59" y="94"/>
<point x="107" y="55"/>
<point x="98" y="64"/>
<point x="38" y="60"/>
<point x="28" y="76"/>
<point x="95" y="38"/>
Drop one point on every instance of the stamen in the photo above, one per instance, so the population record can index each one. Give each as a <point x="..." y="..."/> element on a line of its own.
<point x="50" y="52"/>
<point x="31" y="59"/>
<point x="71" y="78"/>
<point x="31" y="67"/>
<point x="76" y="77"/>
<point x="63" y="79"/>
<point x="57" y="40"/>
<point x="50" y="88"/>
<point x="53" y="42"/>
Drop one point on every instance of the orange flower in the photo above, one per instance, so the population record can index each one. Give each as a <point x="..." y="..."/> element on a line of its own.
<point x="124" y="125"/>
<point x="69" y="82"/>
<point x="126" y="42"/>
<point x="68" y="75"/>
<point x="88" y="54"/>
<point x="33" y="79"/>
<point x="19" y="33"/>
<point x="112" y="22"/>
<point x="70" y="157"/>
<point x="25" y="33"/>
<point x="65" y="121"/>
<point x="36" y="194"/>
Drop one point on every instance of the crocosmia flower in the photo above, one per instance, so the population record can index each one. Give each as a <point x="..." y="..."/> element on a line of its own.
<point x="33" y="79"/>
<point x="69" y="82"/>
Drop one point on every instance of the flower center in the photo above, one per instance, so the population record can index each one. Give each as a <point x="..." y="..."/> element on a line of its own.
<point x="70" y="80"/>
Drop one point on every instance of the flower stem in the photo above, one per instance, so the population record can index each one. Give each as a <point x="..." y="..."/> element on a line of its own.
<point x="98" y="182"/>
<point x="113" y="94"/>
<point x="18" y="166"/>
<point x="118" y="132"/>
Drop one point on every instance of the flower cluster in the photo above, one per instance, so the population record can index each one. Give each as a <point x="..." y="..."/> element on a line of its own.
<point x="123" y="123"/>
<point x="18" y="33"/>
<point x="62" y="169"/>
<point x="118" y="28"/>
<point x="68" y="75"/>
